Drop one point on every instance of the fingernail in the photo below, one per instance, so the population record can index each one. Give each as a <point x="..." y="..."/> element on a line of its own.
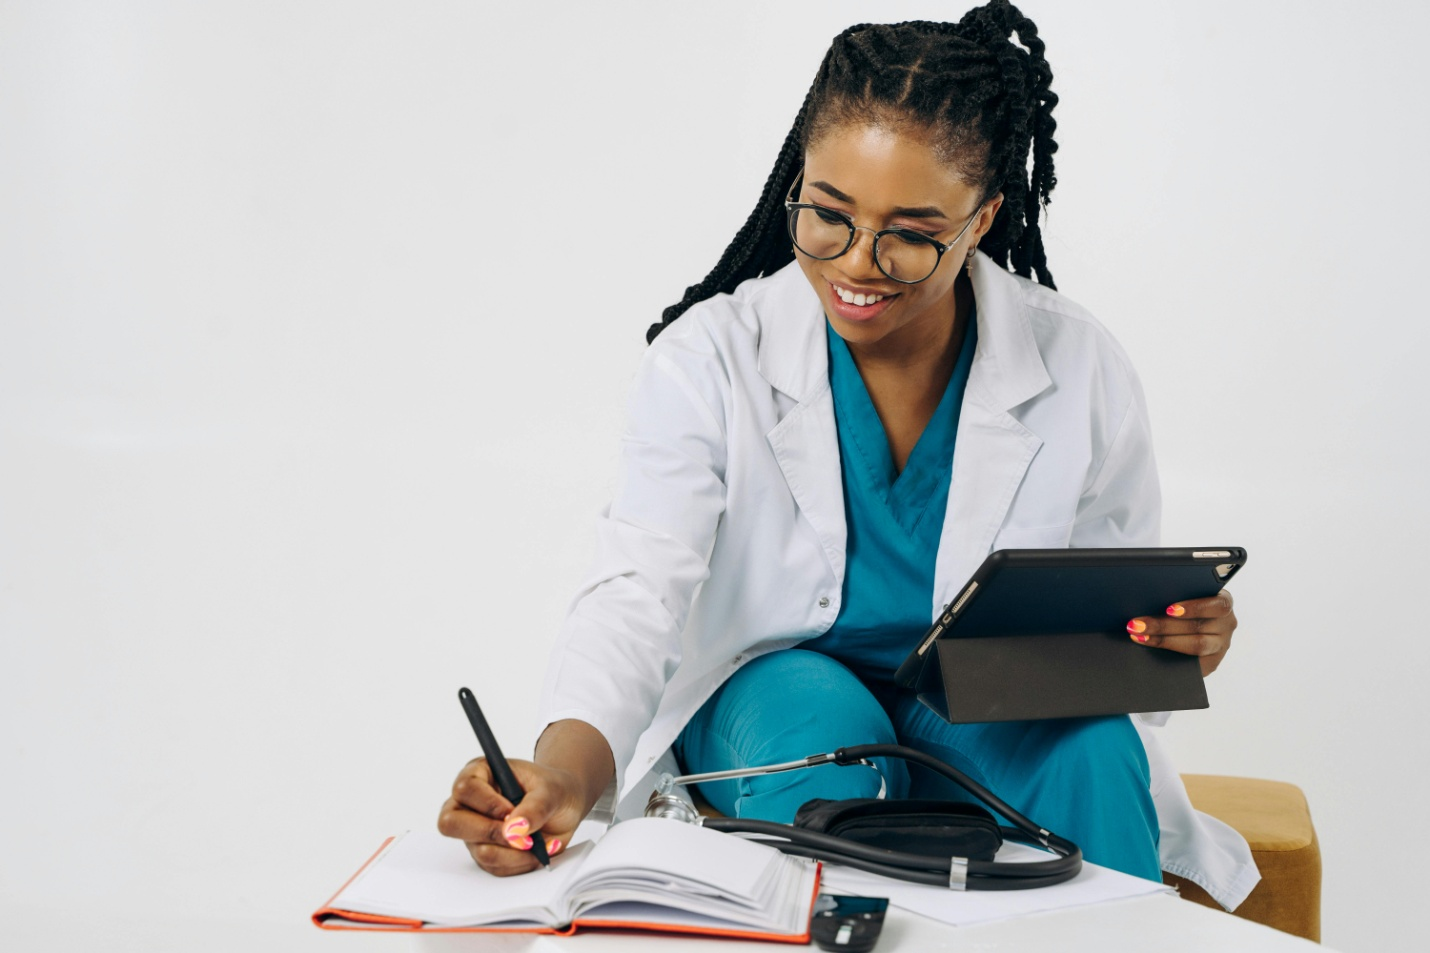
<point x="522" y="842"/>
<point x="515" y="825"/>
<point x="1136" y="626"/>
<point x="1140" y="638"/>
<point x="1177" y="611"/>
<point x="554" y="846"/>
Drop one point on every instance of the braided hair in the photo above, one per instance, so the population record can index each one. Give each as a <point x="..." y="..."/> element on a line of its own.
<point x="983" y="101"/>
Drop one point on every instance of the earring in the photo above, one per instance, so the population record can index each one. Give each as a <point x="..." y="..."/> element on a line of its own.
<point x="968" y="262"/>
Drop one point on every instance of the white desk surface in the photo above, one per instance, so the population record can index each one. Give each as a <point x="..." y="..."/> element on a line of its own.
<point x="1155" y="924"/>
<point x="1164" y="923"/>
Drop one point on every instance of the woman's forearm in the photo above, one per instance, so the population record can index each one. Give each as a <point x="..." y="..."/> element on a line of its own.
<point x="577" y="747"/>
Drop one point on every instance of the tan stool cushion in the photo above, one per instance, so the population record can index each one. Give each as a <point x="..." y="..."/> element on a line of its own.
<point x="1274" y="819"/>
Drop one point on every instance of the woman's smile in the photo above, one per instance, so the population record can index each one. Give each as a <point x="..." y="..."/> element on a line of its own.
<point x="858" y="305"/>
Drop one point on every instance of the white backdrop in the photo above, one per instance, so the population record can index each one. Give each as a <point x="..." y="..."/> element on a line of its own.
<point x="316" y="324"/>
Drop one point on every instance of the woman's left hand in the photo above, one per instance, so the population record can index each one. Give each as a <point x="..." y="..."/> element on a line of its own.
<point x="1200" y="627"/>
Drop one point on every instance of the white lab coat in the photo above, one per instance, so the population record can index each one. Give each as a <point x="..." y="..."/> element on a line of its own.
<point x="725" y="538"/>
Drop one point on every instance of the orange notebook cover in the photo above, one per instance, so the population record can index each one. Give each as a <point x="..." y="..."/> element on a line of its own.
<point x="391" y="890"/>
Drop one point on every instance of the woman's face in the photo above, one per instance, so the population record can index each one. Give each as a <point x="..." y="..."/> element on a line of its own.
<point x="882" y="179"/>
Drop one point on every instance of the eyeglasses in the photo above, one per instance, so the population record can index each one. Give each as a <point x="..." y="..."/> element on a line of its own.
<point x="908" y="257"/>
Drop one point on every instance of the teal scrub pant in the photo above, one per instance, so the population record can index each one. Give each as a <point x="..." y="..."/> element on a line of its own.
<point x="1084" y="778"/>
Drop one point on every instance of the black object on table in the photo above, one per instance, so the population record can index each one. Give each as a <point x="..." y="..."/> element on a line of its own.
<point x="848" y="924"/>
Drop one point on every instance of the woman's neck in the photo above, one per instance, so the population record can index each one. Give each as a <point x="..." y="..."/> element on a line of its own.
<point x="917" y="366"/>
<point x="907" y="379"/>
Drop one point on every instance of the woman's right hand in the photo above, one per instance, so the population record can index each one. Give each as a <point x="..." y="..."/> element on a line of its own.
<point x="498" y="833"/>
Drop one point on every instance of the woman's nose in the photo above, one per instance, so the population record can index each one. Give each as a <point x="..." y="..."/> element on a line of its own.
<point x="861" y="252"/>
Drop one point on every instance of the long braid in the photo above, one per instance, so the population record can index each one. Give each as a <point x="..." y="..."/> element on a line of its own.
<point x="761" y="246"/>
<point x="743" y="258"/>
<point x="986" y="100"/>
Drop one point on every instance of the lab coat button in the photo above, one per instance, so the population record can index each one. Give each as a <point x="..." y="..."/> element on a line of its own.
<point x="824" y="602"/>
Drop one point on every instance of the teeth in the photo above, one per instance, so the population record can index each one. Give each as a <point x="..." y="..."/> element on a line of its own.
<point x="848" y="297"/>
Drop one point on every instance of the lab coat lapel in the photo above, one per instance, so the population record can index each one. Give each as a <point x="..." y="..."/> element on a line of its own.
<point x="794" y="358"/>
<point x="993" y="449"/>
<point x="807" y="447"/>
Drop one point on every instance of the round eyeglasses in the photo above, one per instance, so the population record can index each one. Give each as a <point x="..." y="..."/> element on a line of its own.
<point x="902" y="254"/>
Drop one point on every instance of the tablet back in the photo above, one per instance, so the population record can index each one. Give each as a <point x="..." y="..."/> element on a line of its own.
<point x="1042" y="634"/>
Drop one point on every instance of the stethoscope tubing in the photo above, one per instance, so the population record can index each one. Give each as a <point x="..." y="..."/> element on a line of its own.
<point x="920" y="868"/>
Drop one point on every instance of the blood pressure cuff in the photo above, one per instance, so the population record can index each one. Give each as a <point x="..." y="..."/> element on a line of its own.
<point x="931" y="828"/>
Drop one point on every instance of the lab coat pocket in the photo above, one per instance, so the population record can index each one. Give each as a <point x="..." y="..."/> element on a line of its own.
<point x="1034" y="537"/>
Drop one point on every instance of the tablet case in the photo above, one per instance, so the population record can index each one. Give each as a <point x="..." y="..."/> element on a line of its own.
<point x="1042" y="633"/>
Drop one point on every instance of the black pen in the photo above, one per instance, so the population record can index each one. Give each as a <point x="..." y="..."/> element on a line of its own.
<point x="507" y="783"/>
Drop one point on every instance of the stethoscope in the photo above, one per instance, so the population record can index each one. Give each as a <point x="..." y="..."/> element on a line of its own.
<point x="956" y="873"/>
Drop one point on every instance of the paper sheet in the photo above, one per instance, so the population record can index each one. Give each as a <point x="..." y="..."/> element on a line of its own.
<point x="1093" y="884"/>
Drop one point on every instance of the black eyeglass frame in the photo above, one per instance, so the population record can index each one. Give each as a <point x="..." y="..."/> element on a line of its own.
<point x="792" y="208"/>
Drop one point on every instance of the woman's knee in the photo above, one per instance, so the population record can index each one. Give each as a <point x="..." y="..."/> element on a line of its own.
<point x="781" y="707"/>
<point x="794" y="702"/>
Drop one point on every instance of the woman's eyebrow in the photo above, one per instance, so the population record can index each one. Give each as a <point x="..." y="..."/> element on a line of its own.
<point x="925" y="211"/>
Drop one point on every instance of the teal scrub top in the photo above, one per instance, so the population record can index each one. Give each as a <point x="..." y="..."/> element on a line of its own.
<point x="894" y="519"/>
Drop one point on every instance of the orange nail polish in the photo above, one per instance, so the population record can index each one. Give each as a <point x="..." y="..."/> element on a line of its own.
<point x="1136" y="626"/>
<point x="515" y="825"/>
<point x="554" y="846"/>
<point x="522" y="842"/>
<point x="1177" y="611"/>
<point x="1140" y="638"/>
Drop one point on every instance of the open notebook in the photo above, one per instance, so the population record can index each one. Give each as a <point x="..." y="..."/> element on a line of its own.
<point x="646" y="873"/>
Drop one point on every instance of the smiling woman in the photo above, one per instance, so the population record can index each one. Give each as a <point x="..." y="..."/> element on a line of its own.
<point x="875" y="387"/>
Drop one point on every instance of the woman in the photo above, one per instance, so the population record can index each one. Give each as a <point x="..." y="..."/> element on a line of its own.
<point x="859" y="403"/>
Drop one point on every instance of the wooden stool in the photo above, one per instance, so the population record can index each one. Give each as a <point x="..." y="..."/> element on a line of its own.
<point x="1274" y="819"/>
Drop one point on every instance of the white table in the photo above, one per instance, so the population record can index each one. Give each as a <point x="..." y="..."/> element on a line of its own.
<point x="1162" y="923"/>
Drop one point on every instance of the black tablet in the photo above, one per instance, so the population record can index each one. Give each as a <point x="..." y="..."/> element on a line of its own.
<point x="1042" y="633"/>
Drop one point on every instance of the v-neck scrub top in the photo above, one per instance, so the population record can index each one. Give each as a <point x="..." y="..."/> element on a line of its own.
<point x="894" y="518"/>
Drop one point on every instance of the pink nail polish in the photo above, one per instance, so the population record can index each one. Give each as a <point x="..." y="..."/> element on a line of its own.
<point x="1176" y="611"/>
<point x="1136" y="626"/>
<point x="554" y="846"/>
<point x="1140" y="638"/>
<point x="522" y="842"/>
<point x="515" y="825"/>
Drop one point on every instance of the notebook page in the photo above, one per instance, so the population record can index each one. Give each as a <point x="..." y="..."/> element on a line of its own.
<point x="684" y="857"/>
<point x="426" y="876"/>
<point x="785" y="911"/>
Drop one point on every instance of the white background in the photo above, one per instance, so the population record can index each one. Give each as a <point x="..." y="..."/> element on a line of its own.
<point x="316" y="324"/>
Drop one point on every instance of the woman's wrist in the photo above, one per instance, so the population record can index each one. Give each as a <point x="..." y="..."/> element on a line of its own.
<point x="577" y="749"/>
